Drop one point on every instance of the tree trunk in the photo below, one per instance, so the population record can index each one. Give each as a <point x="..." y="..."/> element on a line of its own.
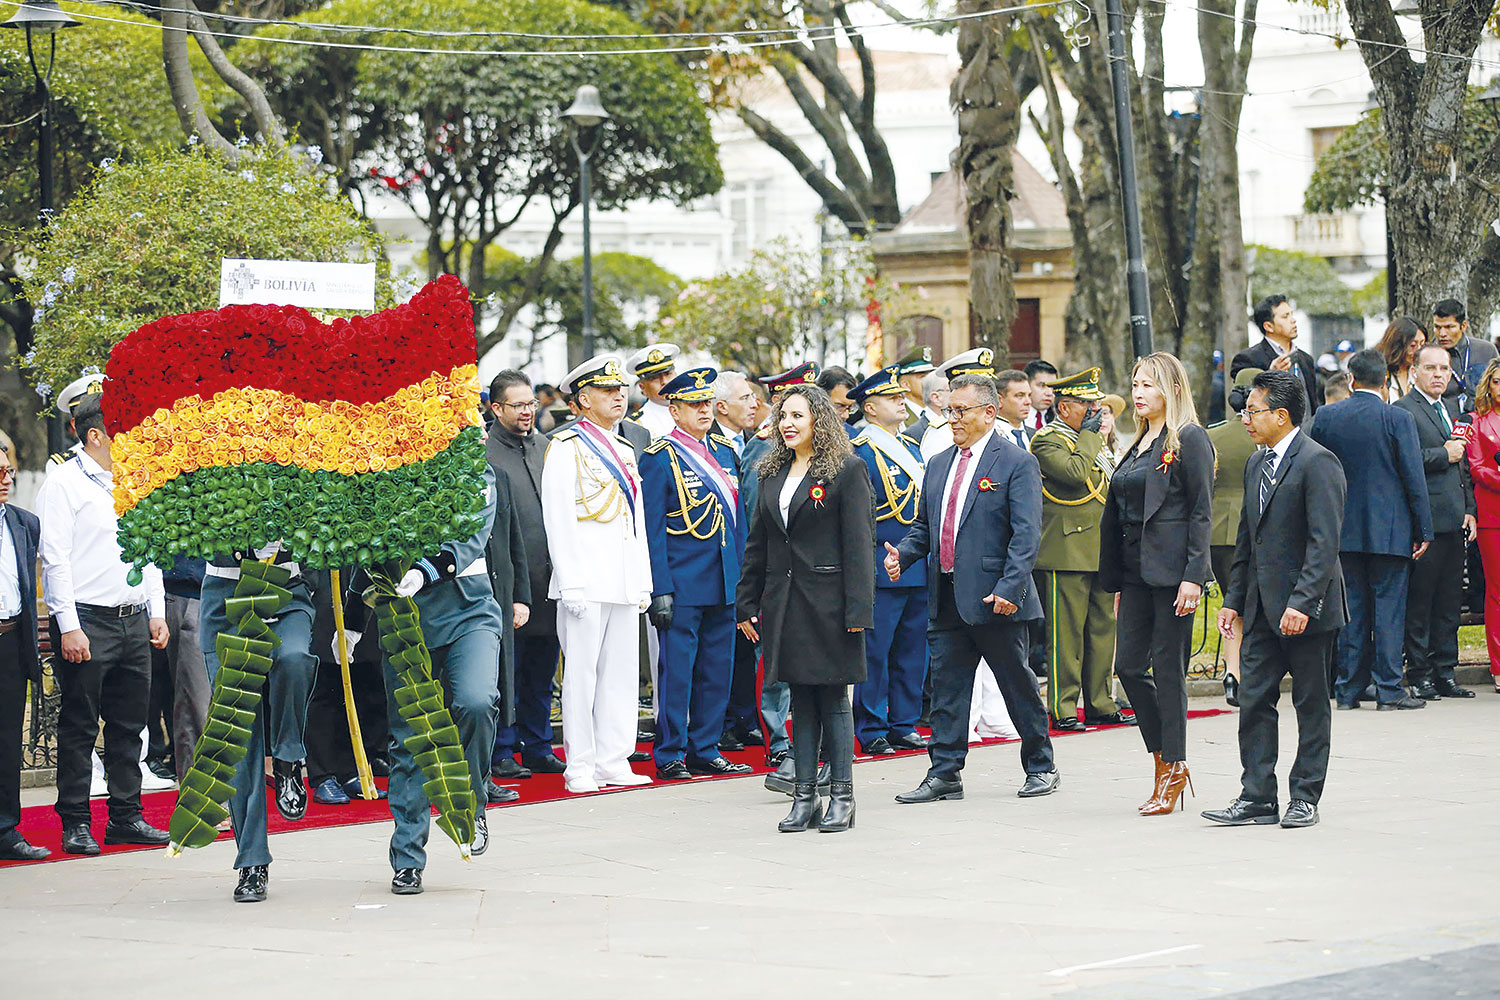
<point x="184" y="89"/>
<point x="984" y="97"/>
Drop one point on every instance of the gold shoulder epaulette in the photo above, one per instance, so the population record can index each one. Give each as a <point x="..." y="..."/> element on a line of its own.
<point x="1217" y="423"/>
<point x="862" y="439"/>
<point x="911" y="440"/>
<point x="57" y="458"/>
<point x="715" y="435"/>
<point x="567" y="434"/>
<point x="764" y="433"/>
<point x="656" y="446"/>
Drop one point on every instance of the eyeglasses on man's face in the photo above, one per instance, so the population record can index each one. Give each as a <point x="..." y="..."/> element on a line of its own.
<point x="525" y="407"/>
<point x="7" y="475"/>
<point x="957" y="412"/>
<point x="1249" y="412"/>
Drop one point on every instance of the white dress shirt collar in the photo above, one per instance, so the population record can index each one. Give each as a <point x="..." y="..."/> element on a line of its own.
<point x="976" y="449"/>
<point x="1278" y="450"/>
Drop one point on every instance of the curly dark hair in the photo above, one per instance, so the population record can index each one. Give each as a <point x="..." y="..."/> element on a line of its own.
<point x="830" y="440"/>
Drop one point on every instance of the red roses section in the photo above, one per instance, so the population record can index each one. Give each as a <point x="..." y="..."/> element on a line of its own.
<point x="286" y="348"/>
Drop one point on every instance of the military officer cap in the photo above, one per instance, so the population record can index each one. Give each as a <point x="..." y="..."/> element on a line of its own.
<point x="692" y="386"/>
<point x="1084" y="385"/>
<point x="653" y="359"/>
<point x="979" y="361"/>
<point x="74" y="391"/>
<point x="918" y="362"/>
<point x="604" y="371"/>
<point x="886" y="382"/>
<point x="1246" y="376"/>
<point x="804" y="374"/>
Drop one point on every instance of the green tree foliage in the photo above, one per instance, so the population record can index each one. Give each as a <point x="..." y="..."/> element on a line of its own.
<point x="469" y="141"/>
<point x="1371" y="299"/>
<point x="1308" y="280"/>
<point x="145" y="240"/>
<point x="784" y="305"/>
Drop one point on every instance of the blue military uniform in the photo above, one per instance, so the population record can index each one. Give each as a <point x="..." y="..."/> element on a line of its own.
<point x="289" y="688"/>
<point x="889" y="702"/>
<point x="695" y="526"/>
<point x="462" y="625"/>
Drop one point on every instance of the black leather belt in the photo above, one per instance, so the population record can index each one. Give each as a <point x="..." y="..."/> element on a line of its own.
<point x="6" y="624"/>
<point x="107" y="611"/>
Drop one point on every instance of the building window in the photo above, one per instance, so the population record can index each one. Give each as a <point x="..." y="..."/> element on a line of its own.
<point x="1322" y="138"/>
<point x="748" y="204"/>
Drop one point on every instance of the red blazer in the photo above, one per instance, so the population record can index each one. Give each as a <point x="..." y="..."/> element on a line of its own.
<point x="1484" y="442"/>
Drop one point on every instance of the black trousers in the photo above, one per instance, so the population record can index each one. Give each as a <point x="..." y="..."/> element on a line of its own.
<point x="113" y="684"/>
<point x="1151" y="657"/>
<point x="1266" y="657"/>
<point x="743" y="713"/>
<point x="956" y="650"/>
<point x="12" y="709"/>
<point x="824" y="720"/>
<point x="1434" y="600"/>
<point x="330" y="752"/>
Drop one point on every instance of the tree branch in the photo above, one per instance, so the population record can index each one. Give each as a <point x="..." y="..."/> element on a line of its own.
<point x="260" y="108"/>
<point x="834" y="197"/>
<point x="532" y="282"/>
<point x="850" y="171"/>
<point x="184" y="89"/>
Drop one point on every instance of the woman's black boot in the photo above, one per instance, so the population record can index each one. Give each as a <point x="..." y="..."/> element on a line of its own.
<point x="840" y="815"/>
<point x="806" y="809"/>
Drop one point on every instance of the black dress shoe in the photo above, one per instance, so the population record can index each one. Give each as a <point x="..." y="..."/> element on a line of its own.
<point x="1425" y="691"/>
<point x="753" y="738"/>
<point x="1039" y="784"/>
<point x="933" y="789"/>
<point x="717" y="766"/>
<point x="1242" y="812"/>
<point x="78" y="840"/>
<point x="407" y="882"/>
<point x="1405" y="703"/>
<point x="481" y="841"/>
<point x="1112" y="719"/>
<point x="645" y="736"/>
<point x="775" y="757"/>
<point x="1450" y="689"/>
<point x="252" y="885"/>
<point x="1346" y="706"/>
<point x="1069" y="725"/>
<point x="20" y="850"/>
<point x="1299" y="813"/>
<point x="674" y="770"/>
<point x="508" y="770"/>
<point x="911" y="741"/>
<point x="291" y="788"/>
<point x="162" y="769"/>
<point x="380" y="767"/>
<point x="730" y="743"/>
<point x="545" y="765"/>
<point x="878" y="747"/>
<point x="355" y="790"/>
<point x="1232" y="690"/>
<point x="639" y="757"/>
<point x="499" y="796"/>
<point x="137" y="831"/>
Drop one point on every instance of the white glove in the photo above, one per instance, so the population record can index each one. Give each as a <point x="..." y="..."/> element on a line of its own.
<point x="410" y="583"/>
<point x="575" y="608"/>
<point x="351" y="639"/>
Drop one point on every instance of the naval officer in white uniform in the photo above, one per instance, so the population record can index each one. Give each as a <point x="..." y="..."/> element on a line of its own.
<point x="653" y="367"/>
<point x="601" y="577"/>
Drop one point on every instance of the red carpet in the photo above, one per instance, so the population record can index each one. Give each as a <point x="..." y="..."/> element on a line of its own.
<point x="41" y="826"/>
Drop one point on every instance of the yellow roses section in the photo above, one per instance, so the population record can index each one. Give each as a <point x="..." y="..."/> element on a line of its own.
<point x="263" y="425"/>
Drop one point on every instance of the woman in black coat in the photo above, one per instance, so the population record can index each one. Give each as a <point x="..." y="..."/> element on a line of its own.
<point x="808" y="586"/>
<point x="1153" y="552"/>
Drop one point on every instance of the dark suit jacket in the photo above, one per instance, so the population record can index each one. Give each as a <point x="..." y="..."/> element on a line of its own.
<point x="521" y="461"/>
<point x="1449" y="489"/>
<point x="1262" y="354"/>
<point x="25" y="531"/>
<point x="999" y="531"/>
<point x="1387" y="510"/>
<point x="1288" y="556"/>
<point x="510" y="581"/>
<point x="1179" y="518"/>
<point x="812" y="578"/>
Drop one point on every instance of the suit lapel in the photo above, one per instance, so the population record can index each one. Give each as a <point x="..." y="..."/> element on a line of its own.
<point x="799" y="499"/>
<point x="1282" y="472"/>
<point x="986" y="460"/>
<point x="1428" y="413"/>
<point x="14" y="530"/>
<point x="937" y="473"/>
<point x="770" y="495"/>
<point x="1156" y="482"/>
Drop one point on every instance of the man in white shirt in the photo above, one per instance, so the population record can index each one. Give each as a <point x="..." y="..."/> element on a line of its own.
<point x="1015" y="404"/>
<point x="104" y="636"/>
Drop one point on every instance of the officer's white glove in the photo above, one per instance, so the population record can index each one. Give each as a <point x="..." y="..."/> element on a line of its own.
<point x="351" y="639"/>
<point x="410" y="583"/>
<point x="575" y="608"/>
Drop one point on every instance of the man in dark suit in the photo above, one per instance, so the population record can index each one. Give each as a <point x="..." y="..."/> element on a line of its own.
<point x="18" y="657"/>
<point x="1387" y="524"/>
<point x="1436" y="592"/>
<point x="978" y="528"/>
<point x="1274" y="319"/>
<point x="1286" y="581"/>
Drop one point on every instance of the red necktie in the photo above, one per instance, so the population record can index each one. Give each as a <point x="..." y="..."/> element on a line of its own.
<point x="950" y="515"/>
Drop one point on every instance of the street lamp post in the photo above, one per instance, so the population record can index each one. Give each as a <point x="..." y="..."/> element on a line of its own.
<point x="45" y="20"/>
<point x="1135" y="254"/>
<point x="586" y="112"/>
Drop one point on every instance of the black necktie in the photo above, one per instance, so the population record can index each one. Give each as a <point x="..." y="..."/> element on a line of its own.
<point x="1267" y="480"/>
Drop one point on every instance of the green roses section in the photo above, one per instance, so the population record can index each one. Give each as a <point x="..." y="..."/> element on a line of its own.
<point x="244" y="662"/>
<point x="325" y="518"/>
<point x="434" y="742"/>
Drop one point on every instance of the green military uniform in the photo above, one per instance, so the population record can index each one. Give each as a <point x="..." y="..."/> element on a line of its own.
<point x="1079" y="613"/>
<point x="1232" y="449"/>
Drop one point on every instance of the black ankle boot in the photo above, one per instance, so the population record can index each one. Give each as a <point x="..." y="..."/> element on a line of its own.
<point x="806" y="810"/>
<point x="840" y="815"/>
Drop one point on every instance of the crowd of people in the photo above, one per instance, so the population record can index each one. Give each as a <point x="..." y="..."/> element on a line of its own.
<point x="823" y="564"/>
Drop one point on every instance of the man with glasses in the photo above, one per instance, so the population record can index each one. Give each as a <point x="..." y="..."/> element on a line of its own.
<point x="837" y="382"/>
<point x="515" y="448"/>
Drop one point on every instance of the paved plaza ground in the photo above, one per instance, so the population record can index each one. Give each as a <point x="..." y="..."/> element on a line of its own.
<point x="689" y="891"/>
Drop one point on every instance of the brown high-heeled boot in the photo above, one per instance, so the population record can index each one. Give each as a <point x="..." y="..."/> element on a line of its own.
<point x="1171" y="793"/>
<point x="1160" y="779"/>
